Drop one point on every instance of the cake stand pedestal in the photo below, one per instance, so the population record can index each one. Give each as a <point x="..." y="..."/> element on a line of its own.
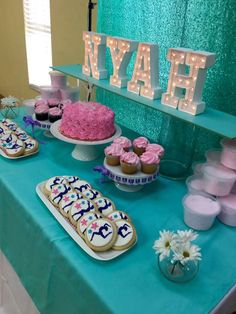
<point x="44" y="125"/>
<point x="129" y="182"/>
<point x="84" y="150"/>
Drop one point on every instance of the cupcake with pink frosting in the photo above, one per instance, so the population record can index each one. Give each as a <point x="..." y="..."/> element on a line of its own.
<point x="140" y="144"/>
<point x="53" y="102"/>
<point x="129" y="162"/>
<point x="124" y="142"/>
<point x="156" y="148"/>
<point x="113" y="153"/>
<point x="41" y="112"/>
<point x="149" y="162"/>
<point x="40" y="102"/>
<point x="54" y="114"/>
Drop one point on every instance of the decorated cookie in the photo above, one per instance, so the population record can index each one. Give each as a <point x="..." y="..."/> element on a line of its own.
<point x="67" y="201"/>
<point x="13" y="148"/>
<point x="105" y="205"/>
<point x="84" y="222"/>
<point x="91" y="194"/>
<point x="79" y="209"/>
<point x="31" y="146"/>
<point x="126" y="235"/>
<point x="117" y="215"/>
<point x="58" y="192"/>
<point x="52" y="182"/>
<point x="80" y="185"/>
<point x="8" y="138"/>
<point x="101" y="235"/>
<point x="4" y="130"/>
<point x="10" y="124"/>
<point x="71" y="179"/>
<point x="21" y="134"/>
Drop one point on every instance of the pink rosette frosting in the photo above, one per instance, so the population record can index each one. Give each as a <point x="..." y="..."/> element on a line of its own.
<point x="149" y="158"/>
<point x="114" y="150"/>
<point x="41" y="108"/>
<point x="40" y="102"/>
<point x="130" y="158"/>
<point x="141" y="142"/>
<point x="55" y="111"/>
<point x="53" y="101"/>
<point x="123" y="141"/>
<point x="155" y="148"/>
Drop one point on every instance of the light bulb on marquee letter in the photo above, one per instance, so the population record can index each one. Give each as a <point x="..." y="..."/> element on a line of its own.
<point x="95" y="54"/>
<point x="146" y="70"/>
<point x="121" y="52"/>
<point x="193" y="83"/>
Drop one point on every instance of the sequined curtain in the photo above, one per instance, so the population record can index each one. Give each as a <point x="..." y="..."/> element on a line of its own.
<point x="208" y="25"/>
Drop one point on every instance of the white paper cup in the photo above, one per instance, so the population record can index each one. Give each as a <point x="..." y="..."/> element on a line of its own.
<point x="58" y="79"/>
<point x="71" y="93"/>
<point x="218" y="180"/>
<point x="200" y="211"/>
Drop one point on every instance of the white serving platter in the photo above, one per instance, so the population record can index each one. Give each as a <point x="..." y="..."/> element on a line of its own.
<point x="2" y="153"/>
<point x="103" y="256"/>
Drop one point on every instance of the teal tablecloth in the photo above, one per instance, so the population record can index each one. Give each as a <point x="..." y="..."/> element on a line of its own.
<point x="61" y="278"/>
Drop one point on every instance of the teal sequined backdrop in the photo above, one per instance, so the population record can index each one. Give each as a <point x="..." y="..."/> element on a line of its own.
<point x="208" y="25"/>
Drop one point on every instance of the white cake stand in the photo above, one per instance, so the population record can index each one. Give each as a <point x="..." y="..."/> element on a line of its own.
<point x="84" y="150"/>
<point x="44" y="125"/>
<point x="129" y="182"/>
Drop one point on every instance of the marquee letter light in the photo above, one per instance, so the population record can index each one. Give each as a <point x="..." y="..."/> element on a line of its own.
<point x="146" y="70"/>
<point x="193" y="83"/>
<point x="121" y="52"/>
<point x="95" y="54"/>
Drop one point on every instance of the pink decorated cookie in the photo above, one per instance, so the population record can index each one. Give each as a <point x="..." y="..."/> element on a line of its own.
<point x="149" y="162"/>
<point x="84" y="222"/>
<point x="124" y="142"/>
<point x="113" y="153"/>
<point x="155" y="148"/>
<point x="140" y="144"/>
<point x="129" y="162"/>
<point x="88" y="121"/>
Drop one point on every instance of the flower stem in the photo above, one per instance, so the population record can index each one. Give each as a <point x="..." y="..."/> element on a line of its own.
<point x="173" y="268"/>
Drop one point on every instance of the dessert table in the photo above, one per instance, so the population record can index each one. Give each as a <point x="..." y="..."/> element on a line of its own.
<point x="61" y="278"/>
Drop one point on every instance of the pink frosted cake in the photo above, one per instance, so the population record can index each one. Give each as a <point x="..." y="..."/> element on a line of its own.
<point x="88" y="121"/>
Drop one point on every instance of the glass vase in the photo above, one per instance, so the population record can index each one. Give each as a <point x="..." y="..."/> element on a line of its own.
<point x="176" y="271"/>
<point x="10" y="112"/>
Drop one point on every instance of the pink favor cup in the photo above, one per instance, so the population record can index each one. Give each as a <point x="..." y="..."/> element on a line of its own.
<point x="71" y="93"/>
<point x="228" y="157"/>
<point x="228" y="210"/>
<point x="200" y="211"/>
<point x="218" y="180"/>
<point x="50" y="92"/>
<point x="195" y="185"/>
<point x="197" y="167"/>
<point x="58" y="79"/>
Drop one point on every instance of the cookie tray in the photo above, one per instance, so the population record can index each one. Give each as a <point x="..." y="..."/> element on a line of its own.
<point x="2" y="153"/>
<point x="103" y="256"/>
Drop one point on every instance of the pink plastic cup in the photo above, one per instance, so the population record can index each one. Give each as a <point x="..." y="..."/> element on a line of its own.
<point x="228" y="156"/>
<point x="197" y="167"/>
<point x="50" y="92"/>
<point x="228" y="212"/>
<point x="217" y="179"/>
<point x="200" y="211"/>
<point x="195" y="185"/>
<point x="58" y="79"/>
<point x="71" y="93"/>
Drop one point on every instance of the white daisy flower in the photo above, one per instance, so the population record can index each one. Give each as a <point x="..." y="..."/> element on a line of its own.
<point x="162" y="246"/>
<point x="187" y="252"/>
<point x="9" y="101"/>
<point x="186" y="235"/>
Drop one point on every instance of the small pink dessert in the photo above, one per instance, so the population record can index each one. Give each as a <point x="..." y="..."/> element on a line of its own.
<point x="217" y="179"/>
<point x="58" y="79"/>
<point x="113" y="153"/>
<point x="40" y="102"/>
<point x="228" y="212"/>
<point x="53" y="102"/>
<point x="54" y="114"/>
<point x="140" y="144"/>
<point x="124" y="142"/>
<point x="156" y="148"/>
<point x="149" y="162"/>
<point x="41" y="112"/>
<point x="200" y="211"/>
<point x="228" y="156"/>
<point x="49" y="92"/>
<point x="129" y="162"/>
<point x="87" y="121"/>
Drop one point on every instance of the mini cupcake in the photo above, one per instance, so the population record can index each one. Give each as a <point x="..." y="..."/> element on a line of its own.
<point x="124" y="142"/>
<point x="113" y="153"/>
<point x="40" y="102"/>
<point x="54" y="114"/>
<point x="140" y="144"/>
<point x="149" y="162"/>
<point x="156" y="148"/>
<point x="41" y="112"/>
<point x="129" y="162"/>
<point x="53" y="102"/>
